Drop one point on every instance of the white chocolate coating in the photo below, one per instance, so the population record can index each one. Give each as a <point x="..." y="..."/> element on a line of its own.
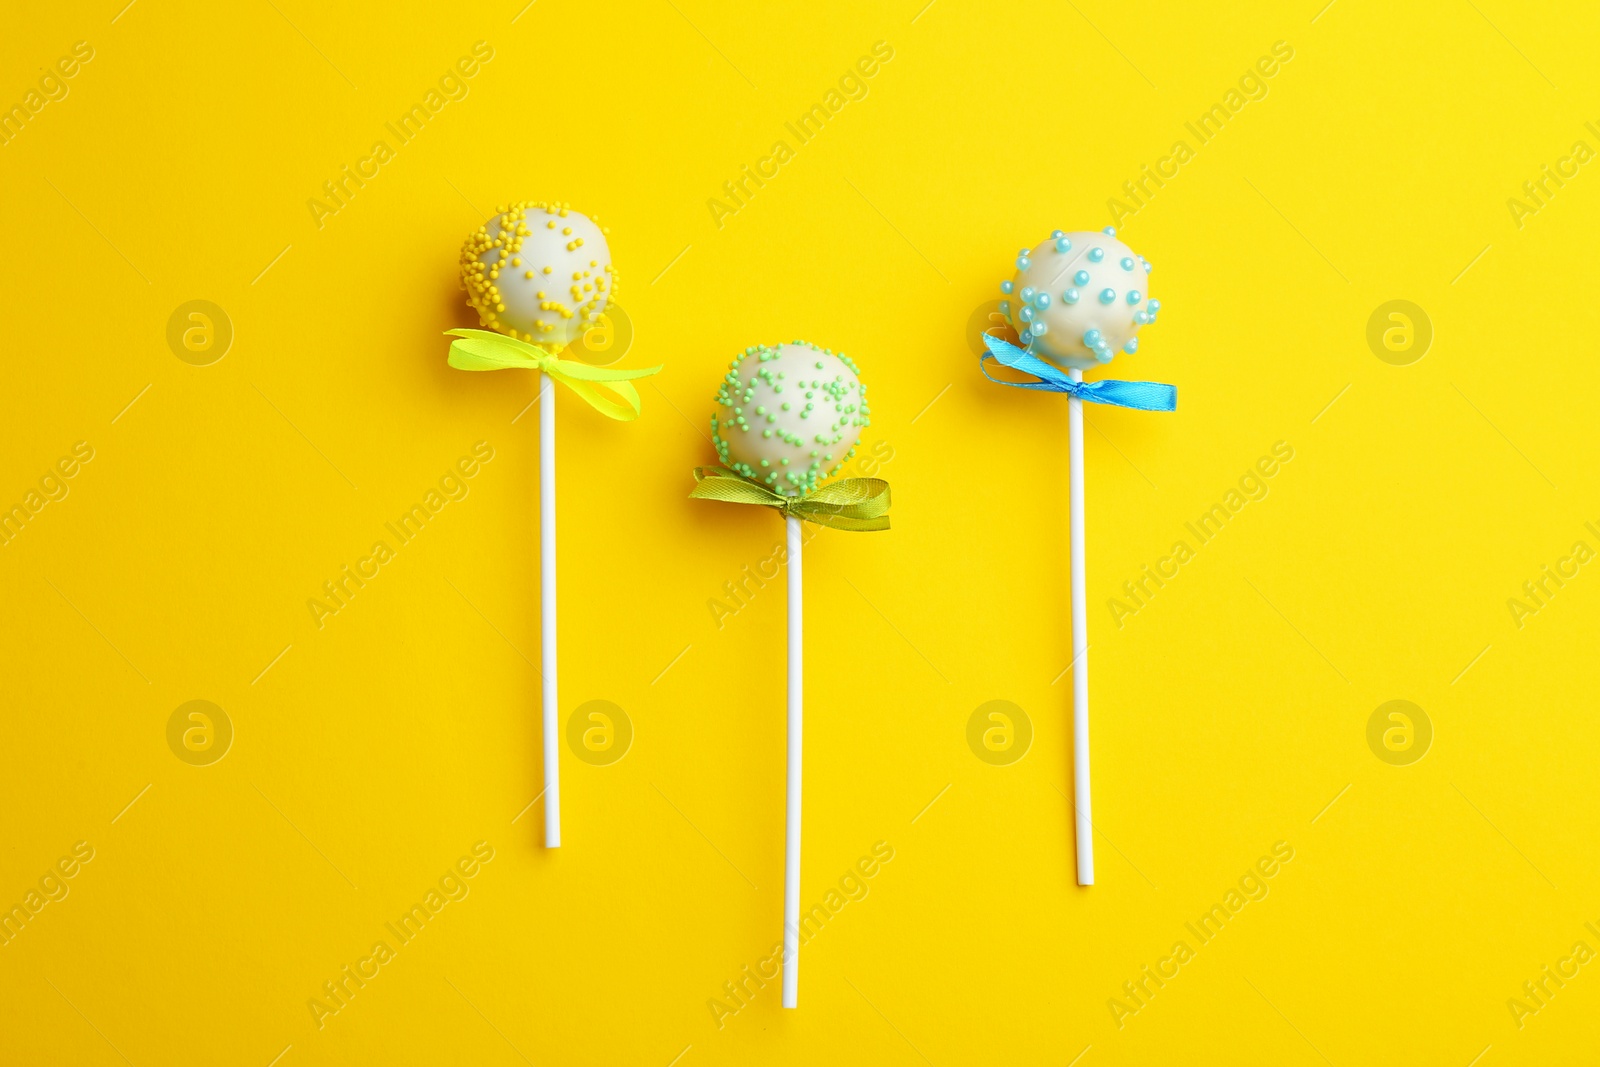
<point x="538" y="271"/>
<point x="1072" y="274"/>
<point x="790" y="415"/>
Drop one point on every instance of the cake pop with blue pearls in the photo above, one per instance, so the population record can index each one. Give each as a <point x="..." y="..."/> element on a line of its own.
<point x="1079" y="298"/>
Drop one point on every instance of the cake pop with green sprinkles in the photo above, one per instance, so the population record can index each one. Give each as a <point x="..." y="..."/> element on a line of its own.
<point x="789" y="415"/>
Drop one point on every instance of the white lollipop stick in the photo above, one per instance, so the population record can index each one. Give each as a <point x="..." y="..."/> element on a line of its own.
<point x="1080" y="643"/>
<point x="791" y="841"/>
<point x="547" y="608"/>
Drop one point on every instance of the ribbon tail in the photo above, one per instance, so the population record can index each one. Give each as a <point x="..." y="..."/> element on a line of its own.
<point x="864" y="495"/>
<point x="714" y="483"/>
<point x="470" y="356"/>
<point x="587" y="373"/>
<point x="1141" y="396"/>
<point x="1046" y="376"/>
<point x="839" y="521"/>
<point x="855" y="504"/>
<point x="625" y="410"/>
<point x="1037" y="383"/>
<point x="702" y="473"/>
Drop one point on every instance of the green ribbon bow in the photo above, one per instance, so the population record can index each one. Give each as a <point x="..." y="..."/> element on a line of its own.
<point x="482" y="350"/>
<point x="851" y="504"/>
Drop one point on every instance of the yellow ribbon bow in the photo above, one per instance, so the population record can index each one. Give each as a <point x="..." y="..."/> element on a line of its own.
<point x="482" y="350"/>
<point x="857" y="504"/>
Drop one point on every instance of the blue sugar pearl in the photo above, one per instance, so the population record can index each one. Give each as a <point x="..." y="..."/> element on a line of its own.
<point x="1127" y="263"/>
<point x="1103" y="355"/>
<point x="1027" y="293"/>
<point x="1147" y="267"/>
<point x="1041" y="300"/>
<point x="1070" y="296"/>
<point x="1006" y="287"/>
<point x="1040" y="328"/>
<point x="1026" y="313"/>
<point x="1023" y="262"/>
<point x="1140" y="317"/>
<point x="1131" y="346"/>
<point x="1133" y="296"/>
<point x="1109" y="231"/>
<point x="1155" y="305"/>
<point x="1005" y="308"/>
<point x="1057" y="233"/>
<point x="1096" y="255"/>
<point x="1081" y="278"/>
<point x="1091" y="338"/>
<point x="1063" y="245"/>
<point x="1027" y="337"/>
<point x="1107" y="296"/>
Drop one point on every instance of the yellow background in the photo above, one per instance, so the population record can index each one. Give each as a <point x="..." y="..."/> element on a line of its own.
<point x="370" y="754"/>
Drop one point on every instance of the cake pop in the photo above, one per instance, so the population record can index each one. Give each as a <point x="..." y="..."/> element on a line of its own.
<point x="1076" y="300"/>
<point x="788" y="416"/>
<point x="539" y="275"/>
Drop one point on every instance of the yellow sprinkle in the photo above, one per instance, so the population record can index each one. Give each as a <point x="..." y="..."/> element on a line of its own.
<point x="547" y="270"/>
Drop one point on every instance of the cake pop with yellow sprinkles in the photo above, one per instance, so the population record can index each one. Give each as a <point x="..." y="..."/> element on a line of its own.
<point x="539" y="275"/>
<point x="539" y="272"/>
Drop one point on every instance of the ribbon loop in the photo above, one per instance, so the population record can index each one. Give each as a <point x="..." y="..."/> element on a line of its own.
<point x="1142" y="396"/>
<point x="483" y="350"/>
<point x="855" y="504"/>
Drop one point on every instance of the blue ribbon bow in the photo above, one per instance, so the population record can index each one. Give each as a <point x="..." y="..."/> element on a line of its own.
<point x="1144" y="396"/>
